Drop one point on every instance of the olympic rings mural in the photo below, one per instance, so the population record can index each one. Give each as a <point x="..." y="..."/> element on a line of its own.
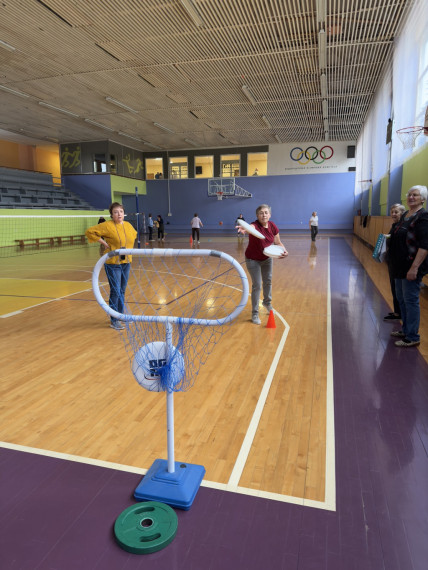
<point x="311" y="154"/>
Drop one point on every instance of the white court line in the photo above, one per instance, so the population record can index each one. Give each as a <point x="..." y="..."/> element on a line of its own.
<point x="329" y="502"/>
<point x="252" y="428"/>
<point x="44" y="303"/>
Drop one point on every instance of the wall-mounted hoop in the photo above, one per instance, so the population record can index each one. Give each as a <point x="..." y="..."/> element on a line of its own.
<point x="219" y="195"/>
<point x="408" y="136"/>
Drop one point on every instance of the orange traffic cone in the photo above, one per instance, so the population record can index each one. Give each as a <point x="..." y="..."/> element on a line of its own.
<point x="271" y="321"/>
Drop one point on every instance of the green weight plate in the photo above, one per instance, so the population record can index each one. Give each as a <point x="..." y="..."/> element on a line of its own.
<point x="146" y="527"/>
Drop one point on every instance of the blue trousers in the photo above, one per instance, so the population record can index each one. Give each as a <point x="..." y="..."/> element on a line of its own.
<point x="117" y="275"/>
<point x="408" y="298"/>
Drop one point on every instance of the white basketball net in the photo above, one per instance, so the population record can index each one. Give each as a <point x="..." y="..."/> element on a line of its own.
<point x="408" y="136"/>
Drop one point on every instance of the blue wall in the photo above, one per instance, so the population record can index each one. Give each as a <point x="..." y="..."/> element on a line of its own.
<point x="94" y="188"/>
<point x="292" y="198"/>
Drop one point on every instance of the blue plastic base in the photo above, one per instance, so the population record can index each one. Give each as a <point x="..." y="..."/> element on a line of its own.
<point x="176" y="489"/>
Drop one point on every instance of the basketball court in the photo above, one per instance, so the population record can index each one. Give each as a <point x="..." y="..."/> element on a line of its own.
<point x="293" y="424"/>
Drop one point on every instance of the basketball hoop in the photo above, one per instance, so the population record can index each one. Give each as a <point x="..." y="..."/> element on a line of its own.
<point x="408" y="136"/>
<point x="219" y="195"/>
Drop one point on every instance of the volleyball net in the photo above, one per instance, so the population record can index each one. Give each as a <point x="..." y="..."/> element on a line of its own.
<point x="29" y="234"/>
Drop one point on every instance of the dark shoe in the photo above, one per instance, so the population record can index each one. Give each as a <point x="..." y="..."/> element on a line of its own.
<point x="392" y="317"/>
<point x="400" y="334"/>
<point x="117" y="325"/>
<point x="406" y="342"/>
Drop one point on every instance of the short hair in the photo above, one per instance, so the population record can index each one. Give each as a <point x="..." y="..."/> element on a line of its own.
<point x="261" y="207"/>
<point x="115" y="205"/>
<point x="422" y="191"/>
<point x="399" y="207"/>
<point x="196" y="215"/>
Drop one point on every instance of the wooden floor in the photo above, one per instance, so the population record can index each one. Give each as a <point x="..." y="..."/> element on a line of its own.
<point x="67" y="385"/>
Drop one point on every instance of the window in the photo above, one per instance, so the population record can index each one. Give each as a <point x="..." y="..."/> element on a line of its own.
<point x="154" y="168"/>
<point x="229" y="165"/>
<point x="257" y="164"/>
<point x="99" y="163"/>
<point x="178" y="167"/>
<point x="204" y="166"/>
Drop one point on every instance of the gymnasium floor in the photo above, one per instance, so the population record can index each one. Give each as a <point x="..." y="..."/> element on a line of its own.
<point x="336" y="465"/>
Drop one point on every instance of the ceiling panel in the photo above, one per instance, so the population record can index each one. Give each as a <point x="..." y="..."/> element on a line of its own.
<point x="186" y="70"/>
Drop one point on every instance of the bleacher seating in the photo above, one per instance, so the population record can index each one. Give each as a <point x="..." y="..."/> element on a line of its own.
<point x="27" y="189"/>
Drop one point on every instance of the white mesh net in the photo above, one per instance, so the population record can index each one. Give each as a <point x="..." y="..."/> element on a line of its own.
<point x="408" y="136"/>
<point x="177" y="305"/>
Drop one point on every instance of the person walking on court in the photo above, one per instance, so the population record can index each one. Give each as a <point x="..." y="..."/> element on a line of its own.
<point x="313" y="225"/>
<point x="150" y="226"/>
<point x="161" y="228"/>
<point x="115" y="234"/>
<point x="396" y="211"/>
<point x="258" y="264"/>
<point x="407" y="254"/>
<point x="196" y="224"/>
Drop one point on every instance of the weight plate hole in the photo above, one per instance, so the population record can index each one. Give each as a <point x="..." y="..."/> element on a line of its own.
<point x="146" y="523"/>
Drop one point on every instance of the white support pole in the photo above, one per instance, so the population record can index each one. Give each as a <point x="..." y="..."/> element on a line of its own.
<point x="170" y="406"/>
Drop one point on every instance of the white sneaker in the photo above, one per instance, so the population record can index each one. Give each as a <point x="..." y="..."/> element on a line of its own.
<point x="117" y="325"/>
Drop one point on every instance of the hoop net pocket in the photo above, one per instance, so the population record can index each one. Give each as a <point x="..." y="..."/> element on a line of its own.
<point x="183" y="300"/>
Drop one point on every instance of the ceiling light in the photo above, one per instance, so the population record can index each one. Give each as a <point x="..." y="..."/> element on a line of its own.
<point x="322" y="49"/>
<point x="193" y="13"/>
<point x="51" y="139"/>
<point x="129" y="136"/>
<point x="4" y="45"/>
<point x="19" y="93"/>
<point x="150" y="144"/>
<point x="321" y="11"/>
<point x="191" y="142"/>
<point x="278" y="139"/>
<point x="159" y="126"/>
<point x="266" y="122"/>
<point x="323" y="81"/>
<point x="98" y="125"/>
<point x="57" y="109"/>
<point x="324" y="108"/>
<point x="119" y="104"/>
<point x="249" y="95"/>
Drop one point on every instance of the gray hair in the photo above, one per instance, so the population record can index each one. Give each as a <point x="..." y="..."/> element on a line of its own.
<point x="422" y="191"/>
<point x="261" y="207"/>
<point x="399" y="207"/>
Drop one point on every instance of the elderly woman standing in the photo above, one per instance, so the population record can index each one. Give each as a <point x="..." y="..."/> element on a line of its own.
<point x="115" y="234"/>
<point x="396" y="211"/>
<point x="407" y="257"/>
<point x="260" y="265"/>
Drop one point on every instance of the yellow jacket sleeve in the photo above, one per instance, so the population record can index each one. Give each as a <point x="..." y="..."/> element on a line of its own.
<point x="116" y="235"/>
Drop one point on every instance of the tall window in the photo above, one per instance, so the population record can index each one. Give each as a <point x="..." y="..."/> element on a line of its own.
<point x="154" y="168"/>
<point x="257" y="164"/>
<point x="204" y="166"/>
<point x="178" y="167"/>
<point x="230" y="165"/>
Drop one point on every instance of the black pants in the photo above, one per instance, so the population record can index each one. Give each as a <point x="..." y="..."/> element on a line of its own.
<point x="195" y="234"/>
<point x="314" y="231"/>
<point x="150" y="233"/>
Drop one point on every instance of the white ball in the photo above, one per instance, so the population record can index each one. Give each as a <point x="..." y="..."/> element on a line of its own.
<point x="149" y="359"/>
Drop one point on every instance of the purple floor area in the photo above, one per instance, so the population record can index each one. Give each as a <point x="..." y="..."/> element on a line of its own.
<point x="57" y="514"/>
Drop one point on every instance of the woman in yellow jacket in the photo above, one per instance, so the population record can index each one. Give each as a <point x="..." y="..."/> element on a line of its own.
<point x="115" y="234"/>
